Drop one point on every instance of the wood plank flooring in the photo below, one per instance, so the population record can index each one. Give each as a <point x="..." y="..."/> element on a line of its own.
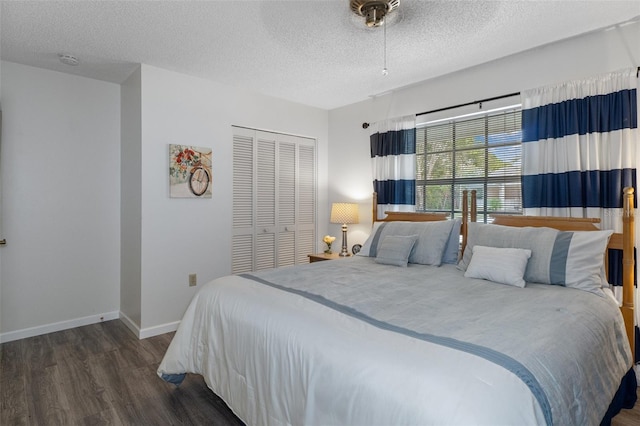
<point x="101" y="374"/>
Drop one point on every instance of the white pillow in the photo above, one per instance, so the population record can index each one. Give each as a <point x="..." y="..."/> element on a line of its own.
<point x="502" y="265"/>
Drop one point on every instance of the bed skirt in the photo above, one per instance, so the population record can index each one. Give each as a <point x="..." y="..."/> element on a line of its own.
<point x="625" y="397"/>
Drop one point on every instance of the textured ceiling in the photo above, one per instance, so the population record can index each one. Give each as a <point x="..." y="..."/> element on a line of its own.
<point x="312" y="52"/>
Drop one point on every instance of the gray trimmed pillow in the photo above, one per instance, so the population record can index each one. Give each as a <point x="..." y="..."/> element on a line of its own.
<point x="451" y="253"/>
<point x="365" y="250"/>
<point x="429" y="247"/>
<point x="570" y="259"/>
<point x="395" y="249"/>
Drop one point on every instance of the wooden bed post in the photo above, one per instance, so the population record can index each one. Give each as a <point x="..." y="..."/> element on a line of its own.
<point x="469" y="214"/>
<point x="374" y="208"/>
<point x="474" y="206"/>
<point x="465" y="220"/>
<point x="628" y="265"/>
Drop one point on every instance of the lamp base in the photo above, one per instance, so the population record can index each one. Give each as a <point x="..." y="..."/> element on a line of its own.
<point x="344" y="252"/>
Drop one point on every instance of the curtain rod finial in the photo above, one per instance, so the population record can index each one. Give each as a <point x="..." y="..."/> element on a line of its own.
<point x="365" y="125"/>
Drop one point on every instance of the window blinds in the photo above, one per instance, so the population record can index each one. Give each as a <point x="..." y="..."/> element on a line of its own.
<point x="482" y="153"/>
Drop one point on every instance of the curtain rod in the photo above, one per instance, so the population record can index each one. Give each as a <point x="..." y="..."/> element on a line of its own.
<point x="469" y="103"/>
<point x="366" y="125"/>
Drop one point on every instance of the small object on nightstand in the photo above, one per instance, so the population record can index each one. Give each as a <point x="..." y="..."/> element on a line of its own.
<point x="356" y="249"/>
<point x="318" y="257"/>
<point x="328" y="240"/>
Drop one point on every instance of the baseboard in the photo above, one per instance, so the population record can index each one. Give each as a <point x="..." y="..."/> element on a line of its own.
<point x="57" y="326"/>
<point x="143" y="333"/>
<point x="131" y="325"/>
<point x="158" y="329"/>
<point x="140" y="333"/>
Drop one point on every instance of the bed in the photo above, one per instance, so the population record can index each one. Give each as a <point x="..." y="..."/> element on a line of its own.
<point x="402" y="336"/>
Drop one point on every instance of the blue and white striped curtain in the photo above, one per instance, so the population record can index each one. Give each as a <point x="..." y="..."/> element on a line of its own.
<point x="393" y="156"/>
<point x="580" y="149"/>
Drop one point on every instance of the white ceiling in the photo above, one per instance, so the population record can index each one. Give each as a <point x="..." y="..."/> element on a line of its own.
<point x="312" y="52"/>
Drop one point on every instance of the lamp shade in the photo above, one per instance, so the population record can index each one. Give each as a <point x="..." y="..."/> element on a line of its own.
<point x="344" y="213"/>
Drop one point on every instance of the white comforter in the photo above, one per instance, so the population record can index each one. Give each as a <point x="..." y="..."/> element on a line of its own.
<point x="277" y="358"/>
<point x="355" y="342"/>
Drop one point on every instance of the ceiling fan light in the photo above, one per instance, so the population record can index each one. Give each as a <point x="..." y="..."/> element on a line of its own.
<point x="373" y="11"/>
<point x="374" y="16"/>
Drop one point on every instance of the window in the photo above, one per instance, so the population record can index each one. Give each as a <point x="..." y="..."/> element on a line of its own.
<point x="480" y="152"/>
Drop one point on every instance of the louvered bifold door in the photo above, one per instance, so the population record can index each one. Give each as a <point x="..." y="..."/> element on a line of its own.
<point x="243" y="201"/>
<point x="274" y="200"/>
<point x="286" y="196"/>
<point x="306" y="214"/>
<point x="266" y="229"/>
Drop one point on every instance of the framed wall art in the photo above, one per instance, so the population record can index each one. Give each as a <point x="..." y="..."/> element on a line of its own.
<point x="189" y="171"/>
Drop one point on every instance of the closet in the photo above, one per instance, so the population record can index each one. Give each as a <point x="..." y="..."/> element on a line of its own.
<point x="274" y="199"/>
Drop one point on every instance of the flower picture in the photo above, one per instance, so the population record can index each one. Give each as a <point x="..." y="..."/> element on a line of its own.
<point x="189" y="171"/>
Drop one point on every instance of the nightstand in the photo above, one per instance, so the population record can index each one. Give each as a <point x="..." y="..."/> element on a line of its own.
<point x="318" y="257"/>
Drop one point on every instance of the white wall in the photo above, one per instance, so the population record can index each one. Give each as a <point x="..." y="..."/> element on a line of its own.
<point x="1" y="221"/>
<point x="61" y="201"/>
<point x="131" y="200"/>
<point x="183" y="236"/>
<point x="580" y="57"/>
<point x="87" y="213"/>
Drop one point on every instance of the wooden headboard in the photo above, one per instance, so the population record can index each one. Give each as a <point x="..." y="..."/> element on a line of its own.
<point x="404" y="216"/>
<point x="624" y="241"/>
<point x="469" y="211"/>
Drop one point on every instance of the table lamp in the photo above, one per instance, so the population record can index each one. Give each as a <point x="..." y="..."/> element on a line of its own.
<point x="344" y="213"/>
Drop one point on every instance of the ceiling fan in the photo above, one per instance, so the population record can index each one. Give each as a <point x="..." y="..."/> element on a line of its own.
<point x="373" y="11"/>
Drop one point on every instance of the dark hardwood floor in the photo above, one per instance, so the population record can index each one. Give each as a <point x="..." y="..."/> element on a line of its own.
<point x="102" y="374"/>
<point x="99" y="374"/>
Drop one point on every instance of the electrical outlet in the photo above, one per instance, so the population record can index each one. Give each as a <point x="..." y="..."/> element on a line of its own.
<point x="193" y="280"/>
